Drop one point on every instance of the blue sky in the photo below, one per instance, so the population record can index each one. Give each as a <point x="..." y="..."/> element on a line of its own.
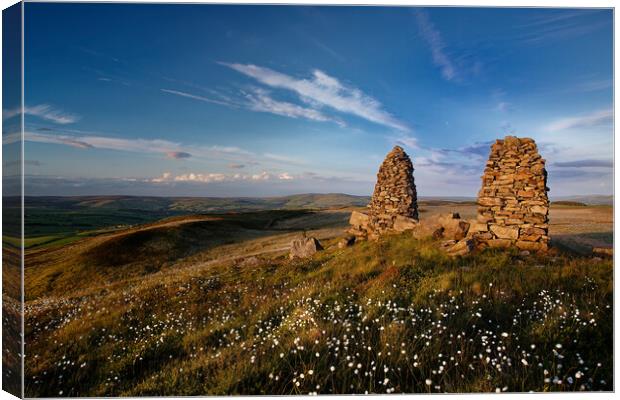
<point x="267" y="100"/>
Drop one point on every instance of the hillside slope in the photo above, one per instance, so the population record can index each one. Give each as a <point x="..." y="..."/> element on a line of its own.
<point x="388" y="317"/>
<point x="144" y="249"/>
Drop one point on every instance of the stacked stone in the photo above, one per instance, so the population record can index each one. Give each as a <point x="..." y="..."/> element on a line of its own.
<point x="395" y="196"/>
<point x="513" y="207"/>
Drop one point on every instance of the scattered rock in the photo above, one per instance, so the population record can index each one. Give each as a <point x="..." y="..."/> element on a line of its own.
<point x="460" y="248"/>
<point x="346" y="242"/>
<point x="603" y="251"/>
<point x="448" y="226"/>
<point x="249" y="262"/>
<point x="359" y="220"/>
<point x="305" y="247"/>
<point x="402" y="223"/>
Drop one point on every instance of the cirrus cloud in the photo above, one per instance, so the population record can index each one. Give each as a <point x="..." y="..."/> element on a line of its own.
<point x="321" y="90"/>
<point x="593" y="119"/>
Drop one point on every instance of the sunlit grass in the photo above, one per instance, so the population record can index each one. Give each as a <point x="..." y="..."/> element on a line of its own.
<point x="391" y="317"/>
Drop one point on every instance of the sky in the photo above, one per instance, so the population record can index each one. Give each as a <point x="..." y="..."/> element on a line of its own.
<point x="222" y="100"/>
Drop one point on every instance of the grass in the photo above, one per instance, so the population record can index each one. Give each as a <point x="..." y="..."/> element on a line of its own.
<point x="396" y="316"/>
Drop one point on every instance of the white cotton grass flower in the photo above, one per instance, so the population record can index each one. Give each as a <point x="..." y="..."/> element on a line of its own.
<point x="428" y="382"/>
<point x="524" y="362"/>
<point x="504" y="334"/>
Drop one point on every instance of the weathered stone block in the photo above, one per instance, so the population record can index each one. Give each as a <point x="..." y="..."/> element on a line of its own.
<point x="402" y="223"/>
<point x="499" y="243"/>
<point x="359" y="219"/>
<point x="505" y="232"/>
<point x="462" y="247"/>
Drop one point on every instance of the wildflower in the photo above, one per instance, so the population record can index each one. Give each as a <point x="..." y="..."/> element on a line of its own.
<point x="524" y="362"/>
<point x="504" y="334"/>
<point x="558" y="346"/>
<point x="428" y="382"/>
<point x="311" y="372"/>
<point x="332" y="368"/>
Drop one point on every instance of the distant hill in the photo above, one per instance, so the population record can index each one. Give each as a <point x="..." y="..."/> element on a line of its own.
<point x="54" y="217"/>
<point x="589" y="199"/>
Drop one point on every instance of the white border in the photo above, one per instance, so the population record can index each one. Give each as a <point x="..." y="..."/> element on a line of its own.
<point x="461" y="3"/>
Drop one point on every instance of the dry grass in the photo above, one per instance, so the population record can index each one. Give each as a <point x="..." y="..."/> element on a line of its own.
<point x="389" y="317"/>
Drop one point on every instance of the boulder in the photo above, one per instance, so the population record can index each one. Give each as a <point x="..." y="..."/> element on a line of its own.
<point x="460" y="248"/>
<point x="359" y="219"/>
<point x="448" y="226"/>
<point x="402" y="223"/>
<point x="305" y="247"/>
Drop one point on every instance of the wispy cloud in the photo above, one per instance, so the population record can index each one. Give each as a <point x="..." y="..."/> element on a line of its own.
<point x="585" y="164"/>
<point x="594" y="119"/>
<point x="553" y="26"/>
<point x="504" y="106"/>
<point x="260" y="100"/>
<point x="200" y="98"/>
<point x="43" y="111"/>
<point x="593" y="85"/>
<point x="172" y="150"/>
<point x="406" y="140"/>
<point x="321" y="90"/>
<point x="433" y="38"/>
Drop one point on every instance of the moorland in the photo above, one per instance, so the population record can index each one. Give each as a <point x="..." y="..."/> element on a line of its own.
<point x="164" y="296"/>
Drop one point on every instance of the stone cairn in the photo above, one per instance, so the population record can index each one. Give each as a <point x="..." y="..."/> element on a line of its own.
<point x="393" y="206"/>
<point x="513" y="207"/>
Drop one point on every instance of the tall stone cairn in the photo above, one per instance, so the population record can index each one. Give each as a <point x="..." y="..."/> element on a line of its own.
<point x="513" y="208"/>
<point x="394" y="200"/>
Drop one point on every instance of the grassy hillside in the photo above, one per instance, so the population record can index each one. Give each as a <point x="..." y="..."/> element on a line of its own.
<point x="62" y="220"/>
<point x="389" y="317"/>
<point x="139" y="251"/>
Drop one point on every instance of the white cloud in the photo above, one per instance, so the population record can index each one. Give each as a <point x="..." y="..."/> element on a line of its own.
<point x="285" y="176"/>
<point x="407" y="141"/>
<point x="43" y="111"/>
<point x="168" y="177"/>
<point x="434" y="40"/>
<point x="594" y="119"/>
<point x="259" y="100"/>
<point x="163" y="178"/>
<point x="323" y="90"/>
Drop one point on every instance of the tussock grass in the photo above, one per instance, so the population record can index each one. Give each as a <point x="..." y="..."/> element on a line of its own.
<point x="387" y="317"/>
